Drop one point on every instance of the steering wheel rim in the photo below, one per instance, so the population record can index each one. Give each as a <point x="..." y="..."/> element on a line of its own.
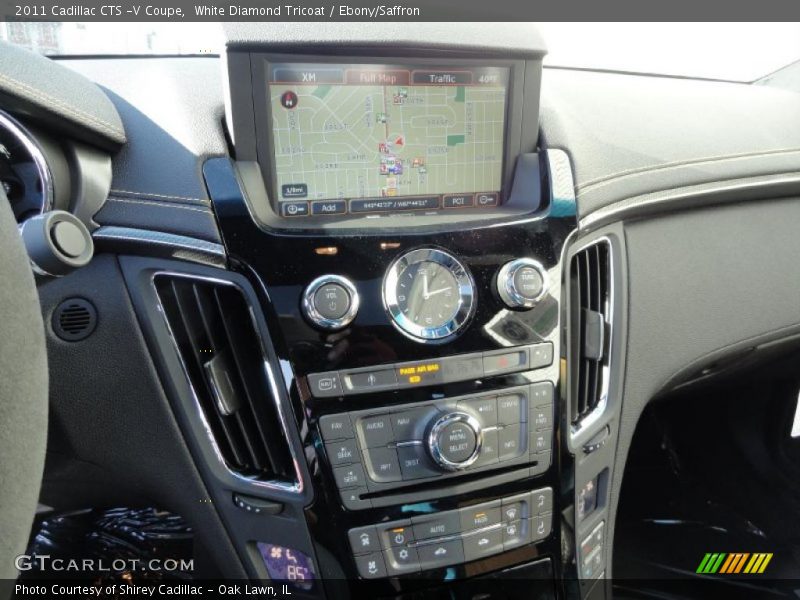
<point x="23" y="394"/>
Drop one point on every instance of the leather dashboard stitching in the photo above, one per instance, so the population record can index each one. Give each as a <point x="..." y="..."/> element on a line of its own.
<point x="204" y="211"/>
<point x="606" y="179"/>
<point x="79" y="114"/>
<point x="154" y="195"/>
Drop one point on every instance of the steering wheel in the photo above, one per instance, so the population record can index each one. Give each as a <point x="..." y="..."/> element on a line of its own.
<point x="23" y="393"/>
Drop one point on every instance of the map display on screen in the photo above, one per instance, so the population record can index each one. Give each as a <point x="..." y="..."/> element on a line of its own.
<point x="379" y="132"/>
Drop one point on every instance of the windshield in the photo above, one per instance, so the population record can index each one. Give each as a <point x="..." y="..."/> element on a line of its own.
<point x="729" y="51"/>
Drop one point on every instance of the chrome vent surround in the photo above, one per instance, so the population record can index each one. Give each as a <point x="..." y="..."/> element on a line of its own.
<point x="214" y="330"/>
<point x="589" y="330"/>
<point x="24" y="172"/>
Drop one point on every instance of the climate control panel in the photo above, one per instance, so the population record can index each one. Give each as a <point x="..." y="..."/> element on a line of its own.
<point x="375" y="451"/>
<point x="452" y="537"/>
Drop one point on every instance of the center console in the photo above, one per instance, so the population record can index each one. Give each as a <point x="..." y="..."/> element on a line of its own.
<point x="403" y="234"/>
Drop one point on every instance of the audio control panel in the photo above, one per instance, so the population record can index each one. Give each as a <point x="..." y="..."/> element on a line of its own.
<point x="375" y="451"/>
<point x="452" y="537"/>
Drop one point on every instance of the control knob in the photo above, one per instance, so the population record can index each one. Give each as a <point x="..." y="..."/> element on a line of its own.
<point x="521" y="283"/>
<point x="454" y="441"/>
<point x="330" y="302"/>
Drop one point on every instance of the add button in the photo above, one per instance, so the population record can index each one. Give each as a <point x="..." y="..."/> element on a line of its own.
<point x="329" y="207"/>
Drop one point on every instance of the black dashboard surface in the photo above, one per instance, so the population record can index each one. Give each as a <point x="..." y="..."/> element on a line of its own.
<point x="632" y="140"/>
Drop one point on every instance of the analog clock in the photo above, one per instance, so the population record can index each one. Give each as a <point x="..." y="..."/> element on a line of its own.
<point x="428" y="294"/>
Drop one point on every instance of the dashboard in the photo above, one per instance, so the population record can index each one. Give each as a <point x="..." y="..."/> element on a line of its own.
<point x="379" y="294"/>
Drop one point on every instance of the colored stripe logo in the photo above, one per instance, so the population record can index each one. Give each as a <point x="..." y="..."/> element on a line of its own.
<point x="734" y="563"/>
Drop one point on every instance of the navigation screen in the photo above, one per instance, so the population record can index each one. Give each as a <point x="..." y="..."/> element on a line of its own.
<point x="385" y="138"/>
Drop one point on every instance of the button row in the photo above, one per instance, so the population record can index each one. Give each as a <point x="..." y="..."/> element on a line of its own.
<point x="386" y="204"/>
<point x="377" y="452"/>
<point x="452" y="537"/>
<point x="463" y="367"/>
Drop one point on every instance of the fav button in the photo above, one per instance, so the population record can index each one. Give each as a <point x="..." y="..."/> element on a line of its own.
<point x="336" y="427"/>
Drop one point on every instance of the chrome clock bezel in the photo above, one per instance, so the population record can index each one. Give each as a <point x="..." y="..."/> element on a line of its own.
<point x="466" y="295"/>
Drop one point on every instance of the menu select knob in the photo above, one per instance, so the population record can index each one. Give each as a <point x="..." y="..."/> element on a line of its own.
<point x="330" y="302"/>
<point x="521" y="283"/>
<point x="454" y="441"/>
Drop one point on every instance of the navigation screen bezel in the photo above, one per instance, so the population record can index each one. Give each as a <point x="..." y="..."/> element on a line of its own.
<point x="384" y="66"/>
<point x="250" y="123"/>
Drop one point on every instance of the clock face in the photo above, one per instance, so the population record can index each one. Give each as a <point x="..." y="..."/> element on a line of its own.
<point x="428" y="294"/>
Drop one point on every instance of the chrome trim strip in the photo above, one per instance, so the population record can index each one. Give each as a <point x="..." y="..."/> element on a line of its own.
<point x="189" y="248"/>
<point x="661" y="200"/>
<point x="35" y="150"/>
<point x="309" y="304"/>
<point x="458" y="536"/>
<point x="296" y="487"/>
<point x="589" y="420"/>
<point x="796" y="424"/>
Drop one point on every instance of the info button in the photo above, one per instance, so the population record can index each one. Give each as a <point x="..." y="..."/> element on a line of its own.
<point x="458" y="201"/>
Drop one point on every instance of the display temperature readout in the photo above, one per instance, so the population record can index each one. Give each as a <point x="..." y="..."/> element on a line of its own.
<point x="288" y="565"/>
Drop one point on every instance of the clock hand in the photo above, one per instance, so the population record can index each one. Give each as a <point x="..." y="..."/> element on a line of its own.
<point x="425" y="286"/>
<point x="439" y="291"/>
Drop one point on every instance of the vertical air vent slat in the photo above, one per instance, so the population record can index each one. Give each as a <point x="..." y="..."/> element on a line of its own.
<point x="590" y="303"/>
<point x="214" y="331"/>
<point x="248" y="357"/>
<point x="193" y="343"/>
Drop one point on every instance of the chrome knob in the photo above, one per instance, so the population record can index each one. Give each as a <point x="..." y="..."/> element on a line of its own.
<point x="330" y="302"/>
<point x="521" y="283"/>
<point x="455" y="440"/>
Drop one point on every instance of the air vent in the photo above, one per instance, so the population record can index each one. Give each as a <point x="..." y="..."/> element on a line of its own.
<point x="214" y="331"/>
<point x="74" y="319"/>
<point x="589" y="329"/>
